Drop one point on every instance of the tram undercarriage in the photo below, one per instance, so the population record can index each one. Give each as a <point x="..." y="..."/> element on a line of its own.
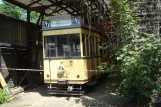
<point x="65" y="89"/>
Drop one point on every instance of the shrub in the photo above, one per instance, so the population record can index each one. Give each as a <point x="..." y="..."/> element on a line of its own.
<point x="3" y="96"/>
<point x="138" y="54"/>
<point x="140" y="62"/>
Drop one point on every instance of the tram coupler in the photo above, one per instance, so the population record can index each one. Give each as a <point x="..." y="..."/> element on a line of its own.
<point x="65" y="90"/>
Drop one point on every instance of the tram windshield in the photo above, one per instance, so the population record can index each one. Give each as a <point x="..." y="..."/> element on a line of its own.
<point x="62" y="46"/>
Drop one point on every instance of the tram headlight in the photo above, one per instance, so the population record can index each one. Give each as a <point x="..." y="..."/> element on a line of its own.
<point x="78" y="76"/>
<point x="47" y="76"/>
<point x="60" y="69"/>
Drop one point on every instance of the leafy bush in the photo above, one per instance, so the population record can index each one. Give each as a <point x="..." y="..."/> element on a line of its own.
<point x="3" y="96"/>
<point x="106" y="66"/>
<point x="140" y="62"/>
<point x="138" y="54"/>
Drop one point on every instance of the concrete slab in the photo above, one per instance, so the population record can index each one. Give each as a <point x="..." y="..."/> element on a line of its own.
<point x="38" y="98"/>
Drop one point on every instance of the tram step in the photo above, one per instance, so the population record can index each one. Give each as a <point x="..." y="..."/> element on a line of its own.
<point x="64" y="92"/>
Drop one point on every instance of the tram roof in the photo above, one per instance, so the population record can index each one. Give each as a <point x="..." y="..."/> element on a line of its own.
<point x="58" y="7"/>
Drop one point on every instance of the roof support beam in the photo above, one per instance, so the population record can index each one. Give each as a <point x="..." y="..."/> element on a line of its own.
<point x="34" y="2"/>
<point x="40" y="18"/>
<point x="95" y="7"/>
<point x="28" y="16"/>
<point x="55" y="11"/>
<point x="63" y="8"/>
<point x="38" y="21"/>
<point x="42" y="7"/>
<point x="38" y="8"/>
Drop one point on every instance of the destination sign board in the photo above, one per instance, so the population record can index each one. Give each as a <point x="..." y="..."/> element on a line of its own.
<point x="60" y="23"/>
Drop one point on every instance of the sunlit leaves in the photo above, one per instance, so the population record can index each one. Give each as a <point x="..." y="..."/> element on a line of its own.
<point x="17" y="12"/>
<point x="138" y="54"/>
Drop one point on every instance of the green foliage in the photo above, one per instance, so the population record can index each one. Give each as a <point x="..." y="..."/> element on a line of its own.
<point x="11" y="10"/>
<point x="123" y="20"/>
<point x="140" y="62"/>
<point x="3" y="97"/>
<point x="34" y="17"/>
<point x="106" y="66"/>
<point x="138" y="55"/>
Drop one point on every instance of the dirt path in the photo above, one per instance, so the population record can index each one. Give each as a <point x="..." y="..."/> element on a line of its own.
<point x="38" y="98"/>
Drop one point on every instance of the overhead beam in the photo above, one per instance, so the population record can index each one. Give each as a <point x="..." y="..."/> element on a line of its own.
<point x="47" y="6"/>
<point x="64" y="6"/>
<point x="55" y="11"/>
<point x="43" y="7"/>
<point x="38" y="8"/>
<point x="60" y="5"/>
<point x="34" y="2"/>
<point x="74" y="10"/>
<point x="71" y="7"/>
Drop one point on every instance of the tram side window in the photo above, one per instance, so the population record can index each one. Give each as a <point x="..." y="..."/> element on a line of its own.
<point x="84" y="44"/>
<point x="101" y="50"/>
<point x="87" y="45"/>
<point x="50" y="46"/>
<point x="97" y="45"/>
<point x="85" y="41"/>
<point x="92" y="46"/>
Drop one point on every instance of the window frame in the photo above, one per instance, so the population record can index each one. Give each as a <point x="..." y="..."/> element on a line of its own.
<point x="56" y="47"/>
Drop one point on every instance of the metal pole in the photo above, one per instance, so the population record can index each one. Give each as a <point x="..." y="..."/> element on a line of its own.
<point x="0" y="57"/>
<point x="50" y="65"/>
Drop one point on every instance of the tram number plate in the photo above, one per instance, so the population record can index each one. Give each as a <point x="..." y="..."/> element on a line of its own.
<point x="62" y="81"/>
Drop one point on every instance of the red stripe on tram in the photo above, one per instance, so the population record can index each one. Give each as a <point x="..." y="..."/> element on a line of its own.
<point x="38" y="70"/>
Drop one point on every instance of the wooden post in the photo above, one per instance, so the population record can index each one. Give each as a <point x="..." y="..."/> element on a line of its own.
<point x="0" y="57"/>
<point x="42" y="18"/>
<point x="2" y="80"/>
<point x="89" y="44"/>
<point x="38" y="21"/>
<point x="15" y="72"/>
<point x="28" y="16"/>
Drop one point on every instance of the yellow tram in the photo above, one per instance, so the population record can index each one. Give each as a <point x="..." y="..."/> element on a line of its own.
<point x="71" y="54"/>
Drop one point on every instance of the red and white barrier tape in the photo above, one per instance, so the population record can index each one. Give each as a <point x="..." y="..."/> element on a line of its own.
<point x="19" y="69"/>
<point x="38" y="70"/>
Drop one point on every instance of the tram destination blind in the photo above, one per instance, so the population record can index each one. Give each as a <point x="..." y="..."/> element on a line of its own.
<point x="59" y="23"/>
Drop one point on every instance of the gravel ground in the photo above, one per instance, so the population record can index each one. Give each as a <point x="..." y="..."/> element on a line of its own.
<point x="38" y="98"/>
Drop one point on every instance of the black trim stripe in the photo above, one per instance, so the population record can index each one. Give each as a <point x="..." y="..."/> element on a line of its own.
<point x="73" y="58"/>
